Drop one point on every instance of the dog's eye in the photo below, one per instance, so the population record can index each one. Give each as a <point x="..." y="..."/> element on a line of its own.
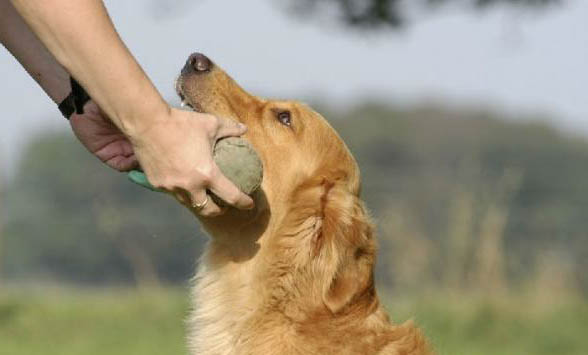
<point x="284" y="118"/>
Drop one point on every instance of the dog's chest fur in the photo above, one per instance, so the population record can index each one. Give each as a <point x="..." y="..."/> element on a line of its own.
<point x="227" y="320"/>
<point x="223" y="302"/>
<point x="227" y="316"/>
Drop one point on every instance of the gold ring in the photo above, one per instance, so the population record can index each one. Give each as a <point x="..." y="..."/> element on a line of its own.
<point x="201" y="205"/>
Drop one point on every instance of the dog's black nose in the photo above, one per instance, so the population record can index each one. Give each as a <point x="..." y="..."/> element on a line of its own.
<point x="197" y="63"/>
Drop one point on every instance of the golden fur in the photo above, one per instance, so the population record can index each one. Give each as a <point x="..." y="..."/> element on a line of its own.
<point x="295" y="275"/>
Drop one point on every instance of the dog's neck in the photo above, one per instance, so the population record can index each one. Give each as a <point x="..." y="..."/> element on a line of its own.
<point x="242" y="308"/>
<point x="231" y="317"/>
<point x="231" y="312"/>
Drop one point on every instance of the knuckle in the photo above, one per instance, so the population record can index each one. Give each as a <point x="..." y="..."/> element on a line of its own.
<point x="161" y="184"/>
<point x="183" y="183"/>
<point x="181" y="198"/>
<point x="173" y="184"/>
<point x="207" y="174"/>
<point x="166" y="184"/>
<point x="206" y="178"/>
<point x="213" y="123"/>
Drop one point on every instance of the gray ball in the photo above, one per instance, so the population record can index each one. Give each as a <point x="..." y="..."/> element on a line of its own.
<point x="239" y="162"/>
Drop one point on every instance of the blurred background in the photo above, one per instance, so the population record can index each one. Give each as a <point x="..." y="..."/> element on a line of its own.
<point x="469" y="119"/>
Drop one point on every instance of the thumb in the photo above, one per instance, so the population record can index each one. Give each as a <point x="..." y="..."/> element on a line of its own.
<point x="230" y="128"/>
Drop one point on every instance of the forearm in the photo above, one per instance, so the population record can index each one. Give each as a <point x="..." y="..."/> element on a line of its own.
<point x="18" y="38"/>
<point x="82" y="38"/>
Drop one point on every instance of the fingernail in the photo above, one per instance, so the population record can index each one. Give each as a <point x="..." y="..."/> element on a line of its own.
<point x="242" y="126"/>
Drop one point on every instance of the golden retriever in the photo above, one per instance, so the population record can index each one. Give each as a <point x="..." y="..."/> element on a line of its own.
<point x="294" y="275"/>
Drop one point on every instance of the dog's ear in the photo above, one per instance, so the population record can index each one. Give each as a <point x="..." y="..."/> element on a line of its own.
<point x="344" y="248"/>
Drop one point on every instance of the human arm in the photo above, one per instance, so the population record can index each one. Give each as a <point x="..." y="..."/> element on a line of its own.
<point x="174" y="147"/>
<point x="95" y="131"/>
<point x="82" y="38"/>
<point x="22" y="43"/>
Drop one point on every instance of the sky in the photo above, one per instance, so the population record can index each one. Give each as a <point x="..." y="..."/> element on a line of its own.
<point x="517" y="61"/>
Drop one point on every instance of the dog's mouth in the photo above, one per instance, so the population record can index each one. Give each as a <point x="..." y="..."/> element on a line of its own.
<point x="185" y="103"/>
<point x="184" y="100"/>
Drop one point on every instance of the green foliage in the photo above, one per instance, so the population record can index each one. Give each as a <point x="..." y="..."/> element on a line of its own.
<point x="72" y="218"/>
<point x="376" y="14"/>
<point x="463" y="200"/>
<point x="418" y="163"/>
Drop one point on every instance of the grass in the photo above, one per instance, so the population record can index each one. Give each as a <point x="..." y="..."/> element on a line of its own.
<point x="115" y="321"/>
<point x="513" y="326"/>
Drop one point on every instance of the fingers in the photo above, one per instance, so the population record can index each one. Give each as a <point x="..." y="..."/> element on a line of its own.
<point x="203" y="204"/>
<point x="122" y="163"/>
<point x="230" y="128"/>
<point x="199" y="202"/>
<point x="228" y="192"/>
<point x="177" y="158"/>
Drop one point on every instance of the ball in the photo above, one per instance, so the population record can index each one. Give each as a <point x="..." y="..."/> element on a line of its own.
<point x="240" y="163"/>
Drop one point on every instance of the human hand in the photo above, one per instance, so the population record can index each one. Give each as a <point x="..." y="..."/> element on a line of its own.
<point x="176" y="155"/>
<point x="103" y="139"/>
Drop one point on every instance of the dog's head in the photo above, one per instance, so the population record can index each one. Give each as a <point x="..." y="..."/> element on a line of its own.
<point x="311" y="182"/>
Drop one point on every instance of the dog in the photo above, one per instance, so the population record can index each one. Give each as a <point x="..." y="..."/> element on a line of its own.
<point x="295" y="275"/>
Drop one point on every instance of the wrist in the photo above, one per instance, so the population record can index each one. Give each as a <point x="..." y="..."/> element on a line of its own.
<point x="138" y="123"/>
<point x="75" y="101"/>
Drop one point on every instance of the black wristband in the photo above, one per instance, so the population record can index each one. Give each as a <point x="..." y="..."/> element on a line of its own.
<point x="75" y="101"/>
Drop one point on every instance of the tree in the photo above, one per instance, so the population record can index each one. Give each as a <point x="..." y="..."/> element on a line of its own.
<point x="377" y="14"/>
<point x="72" y="218"/>
<point x="365" y="14"/>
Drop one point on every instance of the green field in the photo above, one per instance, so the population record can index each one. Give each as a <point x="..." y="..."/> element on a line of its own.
<point x="88" y="322"/>
<point x="115" y="322"/>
